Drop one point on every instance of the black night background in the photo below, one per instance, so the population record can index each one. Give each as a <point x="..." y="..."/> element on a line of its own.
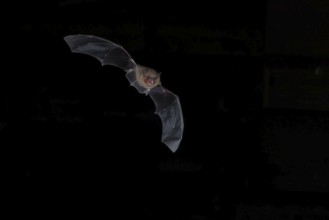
<point x="252" y="76"/>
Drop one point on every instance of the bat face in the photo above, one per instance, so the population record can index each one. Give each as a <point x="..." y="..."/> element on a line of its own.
<point x="147" y="77"/>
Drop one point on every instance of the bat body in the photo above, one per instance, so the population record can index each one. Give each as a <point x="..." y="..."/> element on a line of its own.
<point x="146" y="80"/>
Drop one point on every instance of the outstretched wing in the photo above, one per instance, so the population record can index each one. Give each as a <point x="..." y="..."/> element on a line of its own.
<point x="107" y="52"/>
<point x="169" y="109"/>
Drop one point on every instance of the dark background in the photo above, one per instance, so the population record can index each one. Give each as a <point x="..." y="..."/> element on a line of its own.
<point x="78" y="141"/>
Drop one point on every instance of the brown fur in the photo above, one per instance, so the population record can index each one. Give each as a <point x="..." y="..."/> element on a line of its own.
<point x="147" y="77"/>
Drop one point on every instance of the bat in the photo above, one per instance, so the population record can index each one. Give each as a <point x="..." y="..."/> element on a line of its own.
<point x="146" y="80"/>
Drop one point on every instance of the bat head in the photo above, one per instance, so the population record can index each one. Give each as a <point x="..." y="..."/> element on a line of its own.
<point x="147" y="77"/>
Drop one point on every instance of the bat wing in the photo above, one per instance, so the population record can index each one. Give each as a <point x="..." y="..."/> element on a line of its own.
<point x="107" y="52"/>
<point x="169" y="109"/>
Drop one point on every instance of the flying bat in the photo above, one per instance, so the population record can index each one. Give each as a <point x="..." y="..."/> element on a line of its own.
<point x="146" y="80"/>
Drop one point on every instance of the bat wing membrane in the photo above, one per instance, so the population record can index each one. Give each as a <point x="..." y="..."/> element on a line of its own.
<point x="107" y="52"/>
<point x="169" y="109"/>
